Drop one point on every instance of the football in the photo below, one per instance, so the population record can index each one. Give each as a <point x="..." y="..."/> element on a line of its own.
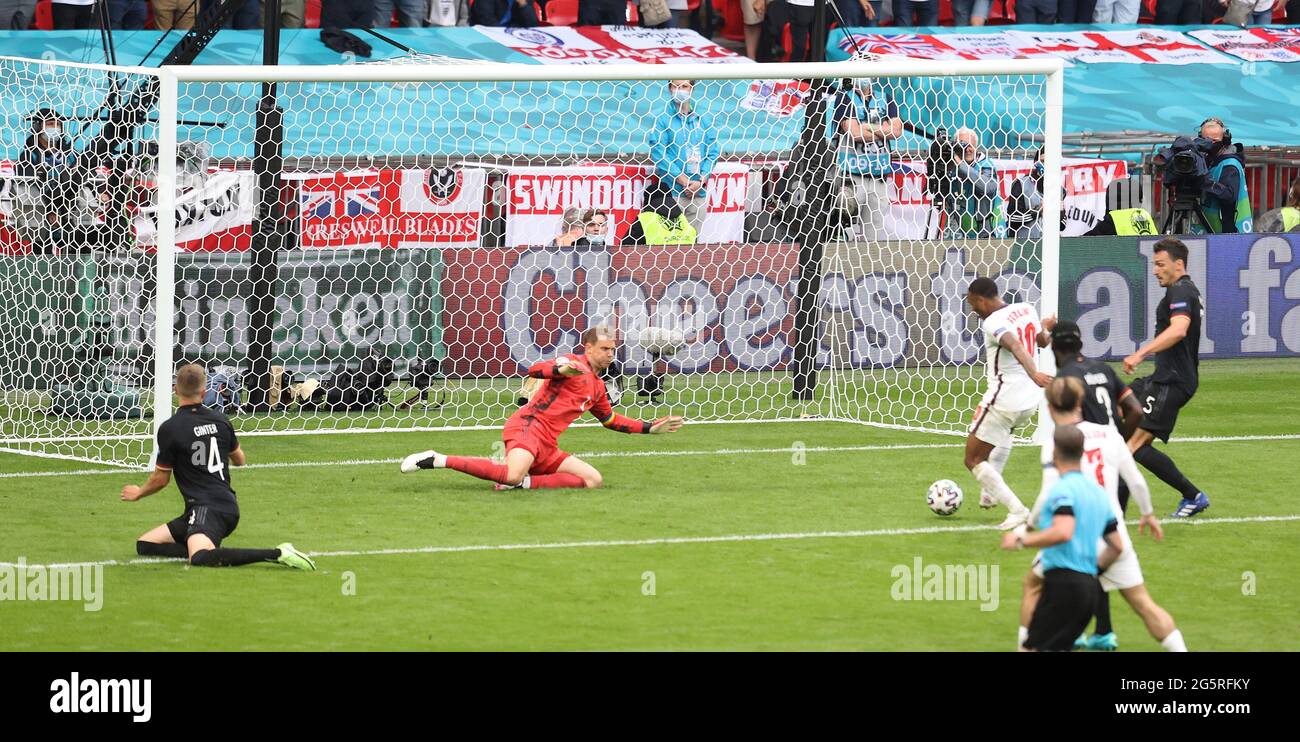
<point x="661" y="341"/>
<point x="944" y="497"/>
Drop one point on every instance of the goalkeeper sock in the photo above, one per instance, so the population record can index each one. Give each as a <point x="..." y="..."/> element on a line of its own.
<point x="481" y="468"/>
<point x="1174" y="642"/>
<point x="1159" y="464"/>
<point x="148" y="548"/>
<point x="992" y="481"/>
<point x="220" y="557"/>
<point x="553" y="481"/>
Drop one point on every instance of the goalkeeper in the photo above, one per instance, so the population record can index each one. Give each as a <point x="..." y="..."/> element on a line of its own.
<point x="571" y="386"/>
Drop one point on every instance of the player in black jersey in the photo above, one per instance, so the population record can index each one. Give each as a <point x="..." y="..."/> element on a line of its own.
<point x="1106" y="401"/>
<point x="1177" y="353"/>
<point x="198" y="444"/>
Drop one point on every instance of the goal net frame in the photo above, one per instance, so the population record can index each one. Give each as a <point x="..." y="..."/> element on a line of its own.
<point x="170" y="80"/>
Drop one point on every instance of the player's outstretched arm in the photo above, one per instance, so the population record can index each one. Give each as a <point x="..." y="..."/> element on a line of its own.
<point x="558" y="368"/>
<point x="1173" y="335"/>
<point x="157" y="480"/>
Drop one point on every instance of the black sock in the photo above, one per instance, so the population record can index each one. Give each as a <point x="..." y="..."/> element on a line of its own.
<point x="1164" y="467"/>
<point x="1123" y="497"/>
<point x="1103" y="612"/>
<point x="147" y="548"/>
<point x="220" y="557"/>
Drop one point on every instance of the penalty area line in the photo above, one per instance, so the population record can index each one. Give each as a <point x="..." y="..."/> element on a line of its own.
<point x="665" y="541"/>
<point x="642" y="454"/>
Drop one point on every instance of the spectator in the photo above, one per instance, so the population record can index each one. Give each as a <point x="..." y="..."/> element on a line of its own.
<point x="293" y="13"/>
<point x="654" y="14"/>
<point x="595" y="223"/>
<point x="1075" y="11"/>
<point x="1134" y="220"/>
<point x="684" y="149"/>
<point x="571" y="228"/>
<point x="169" y="14"/>
<point x="1292" y="11"/>
<point x="602" y="12"/>
<point x="1262" y="15"/>
<point x="661" y="222"/>
<point x="859" y="12"/>
<point x="970" y="12"/>
<point x="517" y="13"/>
<point x="752" y="13"/>
<point x="247" y="17"/>
<point x="918" y="12"/>
<point x="1025" y="204"/>
<point x="448" y="13"/>
<point x="1225" y="198"/>
<point x="799" y="14"/>
<point x="1176" y="12"/>
<point x="17" y="15"/>
<point x="73" y="14"/>
<point x="127" y="15"/>
<point x="1037" y="11"/>
<point x="977" y="185"/>
<point x="1117" y="11"/>
<point x="1285" y="219"/>
<point x="864" y="125"/>
<point x="410" y="13"/>
<point x="46" y="194"/>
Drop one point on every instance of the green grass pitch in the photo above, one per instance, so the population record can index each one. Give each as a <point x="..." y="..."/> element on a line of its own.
<point x="760" y="536"/>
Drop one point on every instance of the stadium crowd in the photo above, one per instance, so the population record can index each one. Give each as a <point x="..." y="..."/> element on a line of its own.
<point x="771" y="29"/>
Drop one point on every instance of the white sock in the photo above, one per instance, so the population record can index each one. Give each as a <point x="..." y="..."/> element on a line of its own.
<point x="527" y="484"/>
<point x="992" y="481"/>
<point x="1174" y="642"/>
<point x="1024" y="634"/>
<point x="439" y="460"/>
<point x="998" y="459"/>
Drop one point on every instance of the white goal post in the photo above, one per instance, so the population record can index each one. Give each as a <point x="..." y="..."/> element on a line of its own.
<point x="826" y="298"/>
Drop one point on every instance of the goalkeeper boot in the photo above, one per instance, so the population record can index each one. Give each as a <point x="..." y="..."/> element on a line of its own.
<point x="423" y="460"/>
<point x="291" y="557"/>
<point x="1103" y="642"/>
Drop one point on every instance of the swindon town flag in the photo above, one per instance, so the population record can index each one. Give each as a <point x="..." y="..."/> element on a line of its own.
<point x="392" y="208"/>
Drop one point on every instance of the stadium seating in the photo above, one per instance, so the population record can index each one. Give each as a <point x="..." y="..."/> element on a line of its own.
<point x="562" y="12"/>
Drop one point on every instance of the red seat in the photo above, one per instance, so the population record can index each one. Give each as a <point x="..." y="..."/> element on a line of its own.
<point x="562" y="12"/>
<point x="633" y="18"/>
<point x="44" y="19"/>
<point x="945" y="12"/>
<point x="311" y="14"/>
<point x="733" y="26"/>
<point x="1001" y="12"/>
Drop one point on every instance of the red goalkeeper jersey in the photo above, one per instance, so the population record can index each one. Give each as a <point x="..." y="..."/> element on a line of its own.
<point x="562" y="399"/>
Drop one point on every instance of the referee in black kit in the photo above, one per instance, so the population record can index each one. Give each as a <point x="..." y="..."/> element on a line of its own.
<point x="1177" y="353"/>
<point x="197" y="443"/>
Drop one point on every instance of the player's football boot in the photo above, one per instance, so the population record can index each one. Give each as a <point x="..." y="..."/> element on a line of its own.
<point x="418" y="461"/>
<point x="291" y="557"/>
<point x="1014" y="520"/>
<point x="1188" y="508"/>
<point x="987" y="500"/>
<point x="1081" y="643"/>
<point x="503" y="487"/>
<point x="1103" y="642"/>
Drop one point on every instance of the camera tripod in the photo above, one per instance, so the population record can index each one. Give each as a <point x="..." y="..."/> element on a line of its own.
<point x="1182" y="209"/>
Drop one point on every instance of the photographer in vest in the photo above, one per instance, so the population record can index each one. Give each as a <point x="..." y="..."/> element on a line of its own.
<point x="1285" y="219"/>
<point x="864" y="124"/>
<point x="661" y="221"/>
<point x="1225" y="199"/>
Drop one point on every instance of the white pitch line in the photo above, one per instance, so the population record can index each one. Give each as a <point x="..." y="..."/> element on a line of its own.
<point x="639" y="454"/>
<point x="667" y="541"/>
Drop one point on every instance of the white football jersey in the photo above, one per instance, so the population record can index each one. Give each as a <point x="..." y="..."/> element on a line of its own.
<point x="1106" y="459"/>
<point x="1010" y="387"/>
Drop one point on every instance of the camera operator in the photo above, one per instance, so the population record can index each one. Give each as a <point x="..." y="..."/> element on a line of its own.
<point x="979" y="203"/>
<point x="1226" y="200"/>
<point x="1025" y="202"/>
<point x="47" y="189"/>
<point x="864" y="125"/>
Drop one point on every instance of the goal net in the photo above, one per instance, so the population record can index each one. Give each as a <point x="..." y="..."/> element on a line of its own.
<point x="372" y="247"/>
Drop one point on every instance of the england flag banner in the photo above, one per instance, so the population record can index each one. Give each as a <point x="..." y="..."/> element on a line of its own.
<point x="610" y="45"/>
<point x="537" y="198"/>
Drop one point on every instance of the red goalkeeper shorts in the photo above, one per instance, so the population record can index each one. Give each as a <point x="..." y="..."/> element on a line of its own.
<point x="547" y="457"/>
